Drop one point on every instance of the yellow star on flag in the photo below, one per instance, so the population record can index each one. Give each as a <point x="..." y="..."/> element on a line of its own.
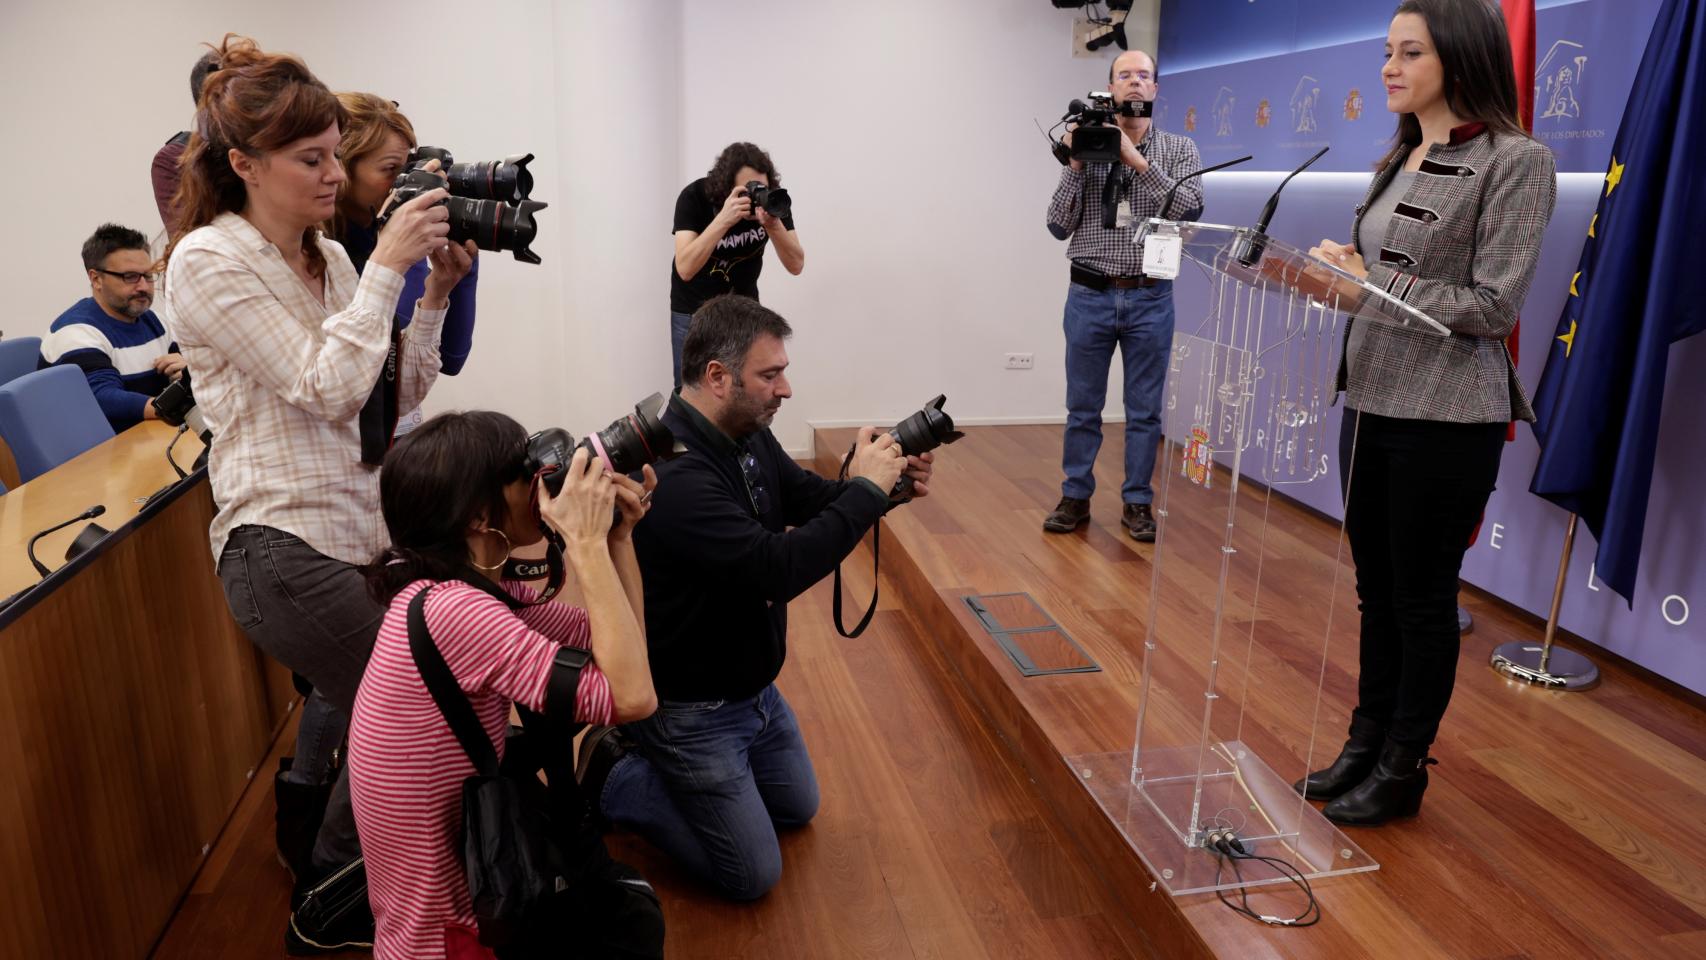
<point x="1614" y="176"/>
<point x="1591" y="224"/>
<point x="1569" y="339"/>
<point x="1573" y="291"/>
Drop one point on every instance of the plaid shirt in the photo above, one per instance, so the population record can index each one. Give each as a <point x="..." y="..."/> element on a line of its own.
<point x="1076" y="210"/>
<point x="1461" y="248"/>
<point x="281" y="378"/>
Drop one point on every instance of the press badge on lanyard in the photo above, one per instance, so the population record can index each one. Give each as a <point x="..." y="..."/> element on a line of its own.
<point x="1122" y="215"/>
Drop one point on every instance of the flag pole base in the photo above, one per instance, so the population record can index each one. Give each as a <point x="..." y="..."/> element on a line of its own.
<point x="1564" y="670"/>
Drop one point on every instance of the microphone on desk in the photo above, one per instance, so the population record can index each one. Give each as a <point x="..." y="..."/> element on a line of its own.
<point x="88" y="514"/>
<point x="1251" y="246"/>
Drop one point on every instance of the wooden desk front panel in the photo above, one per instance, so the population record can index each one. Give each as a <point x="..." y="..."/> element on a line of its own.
<point x="132" y="712"/>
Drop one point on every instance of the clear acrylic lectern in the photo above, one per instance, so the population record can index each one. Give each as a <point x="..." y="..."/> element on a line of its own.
<point x="1241" y="610"/>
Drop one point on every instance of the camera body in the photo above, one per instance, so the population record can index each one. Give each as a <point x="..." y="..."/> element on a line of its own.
<point x="1095" y="138"/>
<point x="625" y="446"/>
<point x="775" y="200"/>
<point x="176" y="402"/>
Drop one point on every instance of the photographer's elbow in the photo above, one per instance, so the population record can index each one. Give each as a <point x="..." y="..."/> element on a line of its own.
<point x="634" y="707"/>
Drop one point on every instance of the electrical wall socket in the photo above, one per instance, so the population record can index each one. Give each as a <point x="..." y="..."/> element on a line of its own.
<point x="1021" y="361"/>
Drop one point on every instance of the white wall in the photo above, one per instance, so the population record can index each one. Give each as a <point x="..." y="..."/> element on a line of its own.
<point x="903" y="129"/>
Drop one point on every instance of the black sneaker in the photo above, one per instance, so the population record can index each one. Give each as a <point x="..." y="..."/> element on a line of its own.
<point x="1139" y="521"/>
<point x="332" y="915"/>
<point x="600" y="749"/>
<point x="1070" y="514"/>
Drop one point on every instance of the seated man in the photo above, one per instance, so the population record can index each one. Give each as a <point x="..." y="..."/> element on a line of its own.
<point x="736" y="530"/>
<point x="121" y="345"/>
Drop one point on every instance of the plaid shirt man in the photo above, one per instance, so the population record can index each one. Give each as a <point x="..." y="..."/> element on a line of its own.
<point x="281" y="378"/>
<point x="1076" y="210"/>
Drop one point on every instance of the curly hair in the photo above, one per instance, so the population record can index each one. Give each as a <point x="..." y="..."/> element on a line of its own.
<point x="254" y="102"/>
<point x="720" y="180"/>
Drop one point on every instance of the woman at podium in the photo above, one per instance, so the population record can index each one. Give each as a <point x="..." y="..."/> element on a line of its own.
<point x="1451" y="226"/>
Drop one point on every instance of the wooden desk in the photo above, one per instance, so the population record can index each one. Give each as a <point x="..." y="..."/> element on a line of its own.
<point x="133" y="711"/>
<point x="115" y="474"/>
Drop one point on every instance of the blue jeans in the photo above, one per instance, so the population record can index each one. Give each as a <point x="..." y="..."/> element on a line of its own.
<point x="710" y="784"/>
<point x="1140" y="323"/>
<point x="678" y="324"/>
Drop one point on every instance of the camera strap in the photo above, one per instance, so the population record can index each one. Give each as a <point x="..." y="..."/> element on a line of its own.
<point x="876" y="541"/>
<point x="378" y="418"/>
<point x="548" y="568"/>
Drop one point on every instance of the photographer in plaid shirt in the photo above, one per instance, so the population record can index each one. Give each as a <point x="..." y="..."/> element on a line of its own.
<point x="301" y="368"/>
<point x="1110" y="303"/>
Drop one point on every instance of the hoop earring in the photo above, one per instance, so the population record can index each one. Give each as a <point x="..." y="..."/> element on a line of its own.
<point x="496" y="566"/>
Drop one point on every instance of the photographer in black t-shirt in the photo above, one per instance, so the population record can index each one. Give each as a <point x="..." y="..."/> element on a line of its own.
<point x="720" y="238"/>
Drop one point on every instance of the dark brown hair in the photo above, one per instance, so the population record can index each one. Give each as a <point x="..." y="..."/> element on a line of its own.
<point x="720" y="181"/>
<point x="1475" y="57"/>
<point x="255" y="102"/>
<point x="437" y="481"/>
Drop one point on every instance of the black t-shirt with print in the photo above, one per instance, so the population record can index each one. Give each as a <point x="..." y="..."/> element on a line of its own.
<point x="734" y="264"/>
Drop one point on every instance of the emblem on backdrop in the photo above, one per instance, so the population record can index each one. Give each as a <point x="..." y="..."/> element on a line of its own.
<point x="1556" y="80"/>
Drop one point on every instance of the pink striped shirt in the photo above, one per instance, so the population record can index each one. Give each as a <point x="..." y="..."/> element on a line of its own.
<point x="406" y="766"/>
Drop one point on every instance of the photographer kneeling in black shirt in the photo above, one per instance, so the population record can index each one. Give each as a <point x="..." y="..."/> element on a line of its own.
<point x="736" y="530"/>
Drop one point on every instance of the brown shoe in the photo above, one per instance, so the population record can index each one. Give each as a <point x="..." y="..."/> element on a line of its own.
<point x="1138" y="519"/>
<point x="1068" y="515"/>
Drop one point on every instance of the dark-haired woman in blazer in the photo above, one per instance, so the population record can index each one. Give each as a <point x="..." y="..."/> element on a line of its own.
<point x="1451" y="226"/>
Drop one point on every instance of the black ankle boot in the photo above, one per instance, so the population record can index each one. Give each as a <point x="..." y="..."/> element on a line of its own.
<point x="1394" y="789"/>
<point x="1354" y="764"/>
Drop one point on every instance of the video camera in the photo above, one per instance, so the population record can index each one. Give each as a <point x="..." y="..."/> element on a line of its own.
<point x="488" y="201"/>
<point x="625" y="446"/>
<point x="1095" y="139"/>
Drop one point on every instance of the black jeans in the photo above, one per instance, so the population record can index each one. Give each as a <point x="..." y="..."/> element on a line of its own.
<point x="1414" y="492"/>
<point x="314" y="615"/>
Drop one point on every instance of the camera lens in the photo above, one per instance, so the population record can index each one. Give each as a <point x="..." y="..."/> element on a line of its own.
<point x="927" y="429"/>
<point x="507" y="179"/>
<point x="635" y="440"/>
<point x="495" y="225"/>
<point x="777" y="202"/>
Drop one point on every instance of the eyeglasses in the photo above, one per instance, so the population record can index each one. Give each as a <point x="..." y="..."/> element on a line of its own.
<point x="1124" y="75"/>
<point x="755" y="491"/>
<point x="130" y="276"/>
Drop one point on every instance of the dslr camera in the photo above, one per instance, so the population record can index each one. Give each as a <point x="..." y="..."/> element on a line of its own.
<point x="773" y="199"/>
<point x="488" y="201"/>
<point x="1095" y="139"/>
<point x="625" y="446"/>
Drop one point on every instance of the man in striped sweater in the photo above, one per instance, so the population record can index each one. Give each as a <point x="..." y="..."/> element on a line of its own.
<point x="121" y="346"/>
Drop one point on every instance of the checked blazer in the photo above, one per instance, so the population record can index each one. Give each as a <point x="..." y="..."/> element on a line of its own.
<point x="1461" y="248"/>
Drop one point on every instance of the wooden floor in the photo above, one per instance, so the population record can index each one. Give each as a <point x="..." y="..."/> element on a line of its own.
<point x="1557" y="825"/>
<point x="928" y="844"/>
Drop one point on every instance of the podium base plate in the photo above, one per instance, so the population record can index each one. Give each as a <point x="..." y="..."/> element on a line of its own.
<point x="1238" y="791"/>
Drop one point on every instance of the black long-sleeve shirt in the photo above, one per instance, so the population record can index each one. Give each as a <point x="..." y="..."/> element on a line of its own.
<point x="720" y="561"/>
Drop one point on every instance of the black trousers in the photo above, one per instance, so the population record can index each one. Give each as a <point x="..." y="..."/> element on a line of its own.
<point x="1414" y="491"/>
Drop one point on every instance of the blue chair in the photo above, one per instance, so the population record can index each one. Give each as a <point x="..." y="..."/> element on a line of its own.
<point x="18" y="356"/>
<point x="48" y="417"/>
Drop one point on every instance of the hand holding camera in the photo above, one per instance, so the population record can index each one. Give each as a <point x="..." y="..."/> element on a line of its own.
<point x="737" y="207"/>
<point x="582" y="511"/>
<point x="633" y="499"/>
<point x="486" y="203"/>
<point x="414" y="227"/>
<point x="877" y="458"/>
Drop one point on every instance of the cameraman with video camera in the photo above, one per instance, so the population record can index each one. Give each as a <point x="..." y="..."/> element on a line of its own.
<point x="1099" y="207"/>
<point x="737" y="529"/>
<point x="723" y="221"/>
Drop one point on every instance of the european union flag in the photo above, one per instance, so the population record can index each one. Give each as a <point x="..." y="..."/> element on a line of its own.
<point x="1639" y="287"/>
